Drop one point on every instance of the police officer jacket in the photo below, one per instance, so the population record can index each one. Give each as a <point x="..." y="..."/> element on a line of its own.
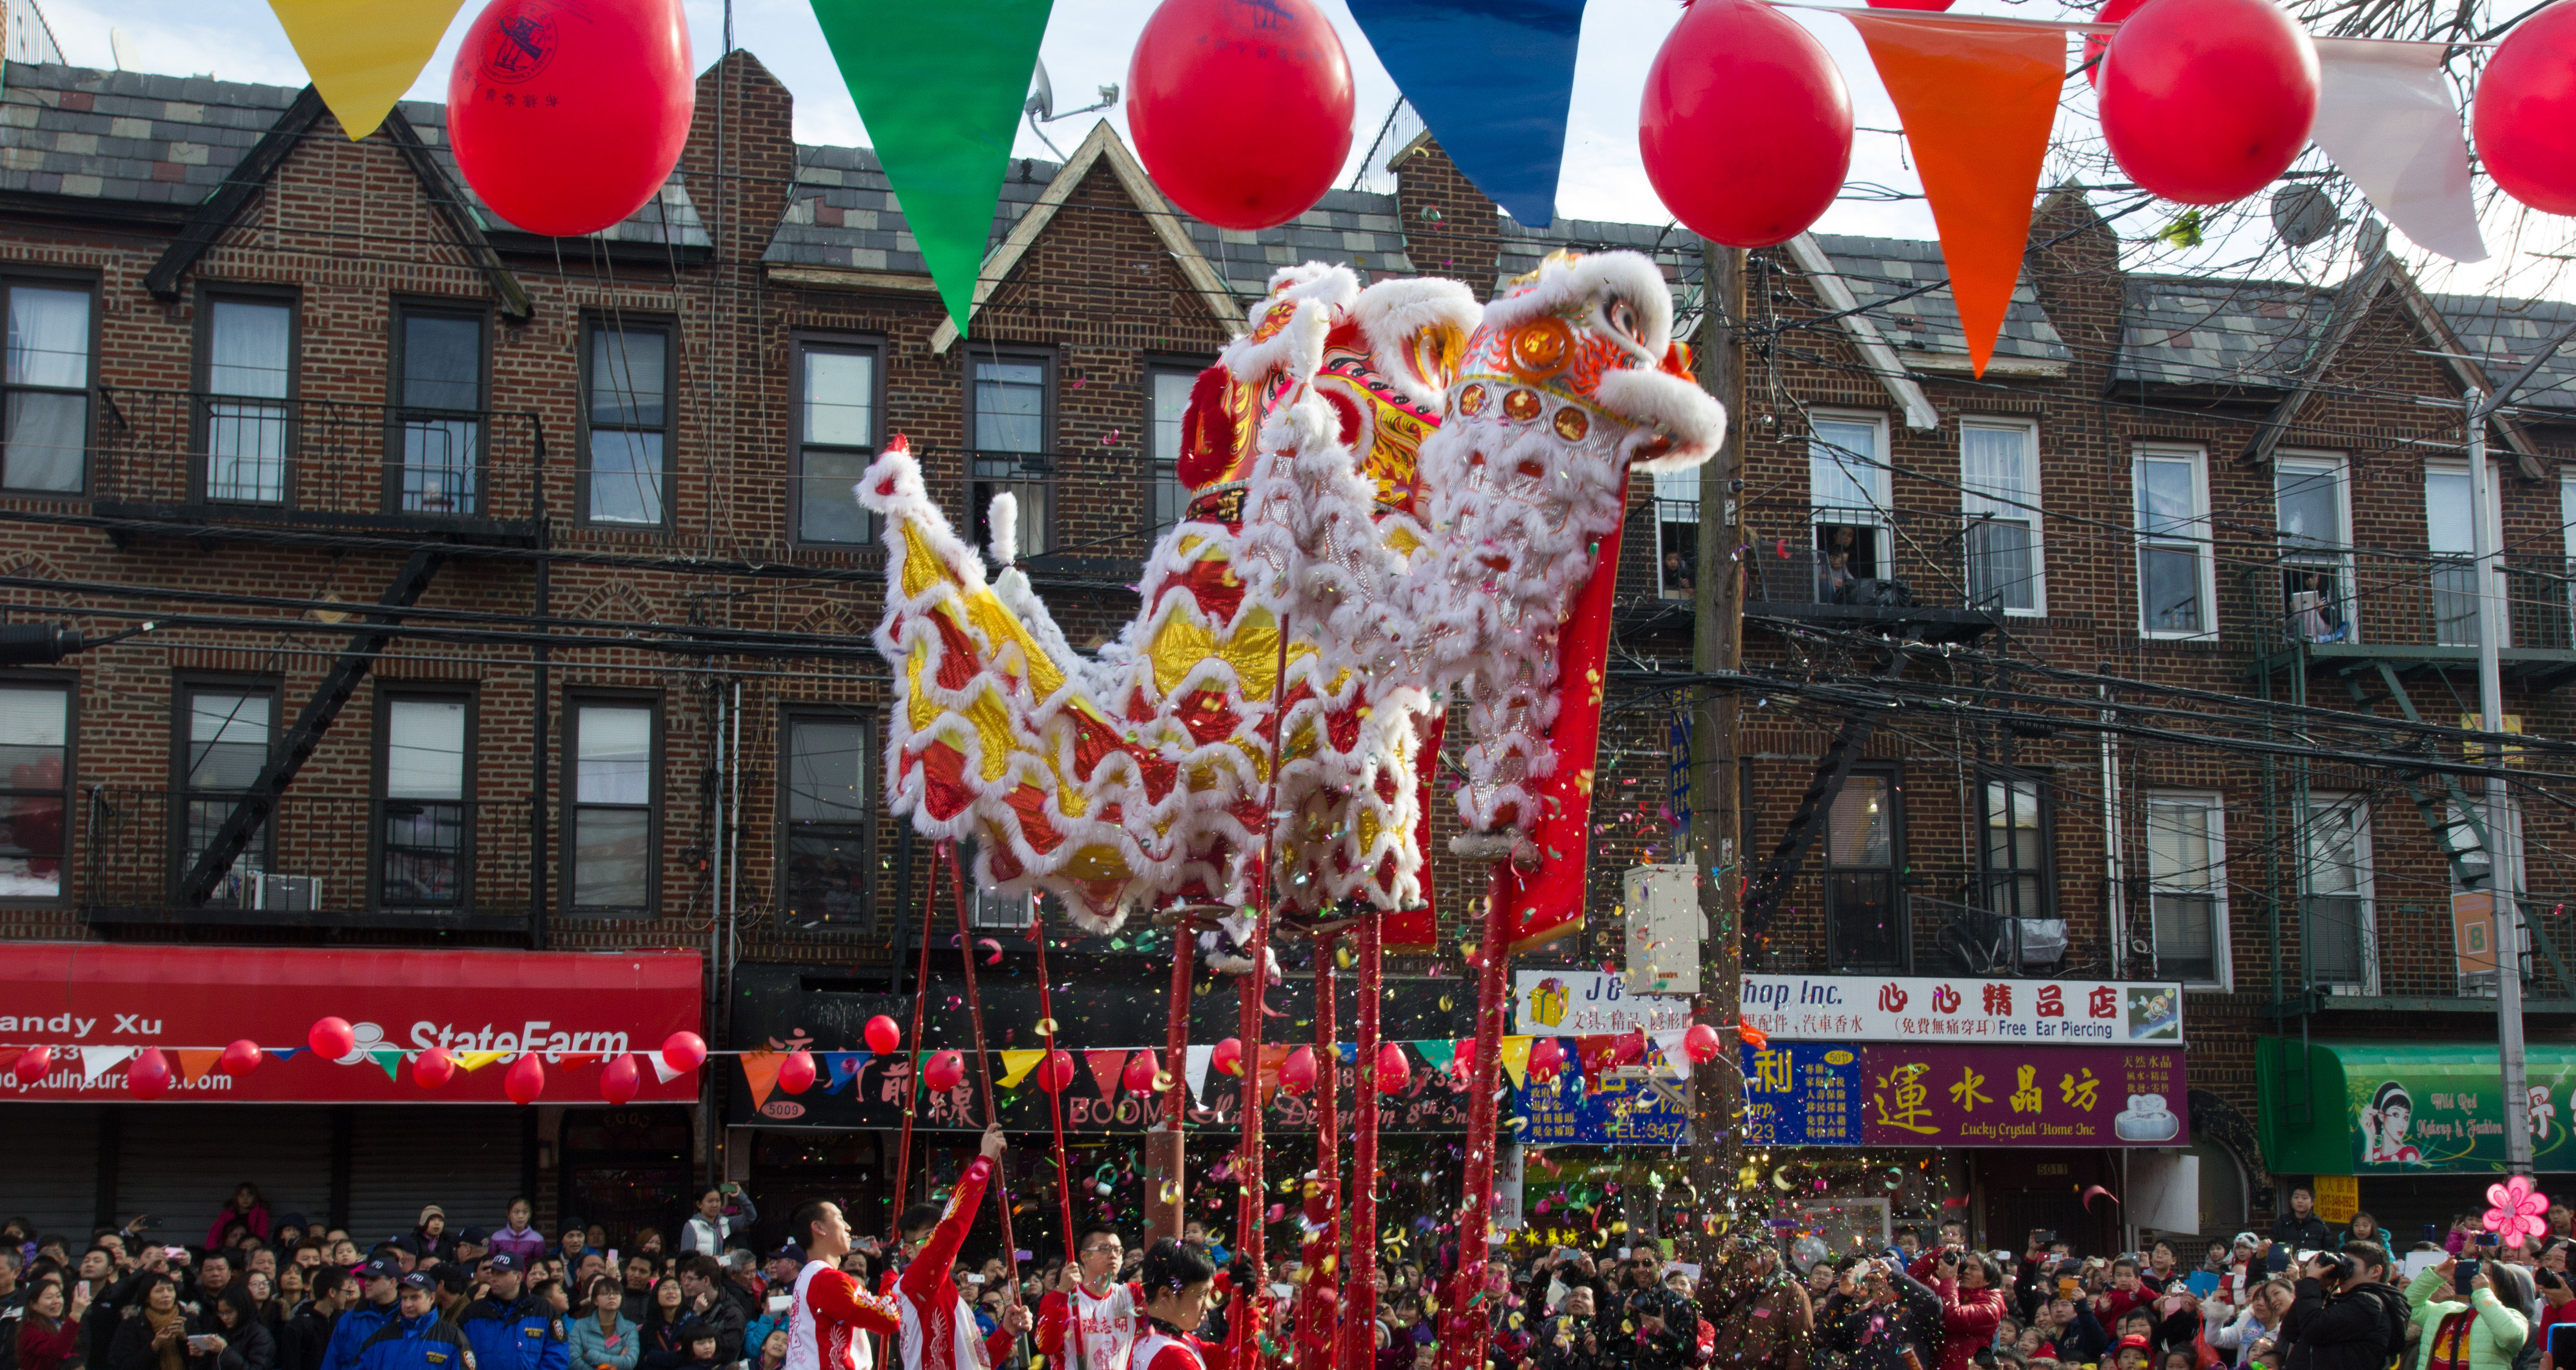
<point x="352" y="1330"/>
<point x="428" y="1342"/>
<point x="521" y="1334"/>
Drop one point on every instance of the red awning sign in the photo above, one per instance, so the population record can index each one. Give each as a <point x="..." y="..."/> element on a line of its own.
<point x="98" y="1004"/>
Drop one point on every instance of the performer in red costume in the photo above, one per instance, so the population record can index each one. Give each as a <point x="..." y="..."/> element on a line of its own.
<point x="1108" y="1317"/>
<point x="1179" y="1284"/>
<point x="832" y="1318"/>
<point x="938" y="1329"/>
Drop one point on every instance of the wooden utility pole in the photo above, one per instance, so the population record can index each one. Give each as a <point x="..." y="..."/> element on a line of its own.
<point x="1716" y="844"/>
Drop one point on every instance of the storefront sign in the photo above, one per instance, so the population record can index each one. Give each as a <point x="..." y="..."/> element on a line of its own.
<point x="1637" y="1107"/>
<point x="1873" y="1008"/>
<point x="1590" y="1003"/>
<point x="2338" y="1197"/>
<point x="1800" y="1094"/>
<point x="2385" y="1108"/>
<point x="97" y="1004"/>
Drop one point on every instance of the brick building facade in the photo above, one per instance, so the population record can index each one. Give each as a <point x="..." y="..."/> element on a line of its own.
<point x="263" y="375"/>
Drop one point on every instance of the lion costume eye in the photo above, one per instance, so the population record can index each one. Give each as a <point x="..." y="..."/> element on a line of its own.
<point x="1623" y="317"/>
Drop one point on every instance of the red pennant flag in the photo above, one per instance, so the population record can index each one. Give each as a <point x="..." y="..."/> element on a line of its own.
<point x="1600" y="1056"/>
<point x="1978" y="100"/>
<point x="1106" y="1067"/>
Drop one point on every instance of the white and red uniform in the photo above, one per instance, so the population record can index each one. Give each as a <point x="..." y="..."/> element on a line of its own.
<point x="1107" y="1327"/>
<point x="938" y="1329"/>
<point x="1160" y="1350"/>
<point x="829" y="1321"/>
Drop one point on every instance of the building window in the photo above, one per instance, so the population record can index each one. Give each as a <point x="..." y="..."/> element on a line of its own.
<point x="836" y="403"/>
<point x="1171" y="400"/>
<point x="35" y="789"/>
<point x="615" y="795"/>
<point x="2311" y="513"/>
<point x="249" y="373"/>
<point x="1847" y="505"/>
<point x="2341" y="943"/>
<point x="2014" y="865"/>
<point x="45" y="442"/>
<point x="1999" y="466"/>
<point x="2177" y="579"/>
<point x="627" y="425"/>
<point x="1864" y="839"/>
<point x="1677" y="533"/>
<point x="2187" y="887"/>
<point x="1008" y="432"/>
<point x="438" y="386"/>
<point x="229" y="730"/>
<point x="2448" y="536"/>
<point x="824" y="778"/>
<point x="424" y="826"/>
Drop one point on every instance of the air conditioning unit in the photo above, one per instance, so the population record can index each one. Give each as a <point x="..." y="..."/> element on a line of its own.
<point x="277" y="893"/>
<point x="1663" y="925"/>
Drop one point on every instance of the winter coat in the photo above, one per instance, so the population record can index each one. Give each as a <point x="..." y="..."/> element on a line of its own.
<point x="2237" y="1339"/>
<point x="2363" y="1328"/>
<point x="526" y="1243"/>
<point x="256" y="1219"/>
<point x="592" y="1348"/>
<point x="43" y="1349"/>
<point x="301" y="1341"/>
<point x="2493" y="1339"/>
<point x="247" y="1347"/>
<point x="1874" y="1336"/>
<point x="1968" y="1318"/>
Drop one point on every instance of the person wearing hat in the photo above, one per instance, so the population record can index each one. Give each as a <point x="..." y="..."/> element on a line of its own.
<point x="417" y="1338"/>
<point x="472" y="1245"/>
<point x="509" y="1330"/>
<point x="380" y="1307"/>
<point x="576" y="1240"/>
<point x="430" y="1234"/>
<point x="2133" y="1353"/>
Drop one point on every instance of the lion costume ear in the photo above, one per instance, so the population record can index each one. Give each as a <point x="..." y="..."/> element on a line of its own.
<point x="1216" y="428"/>
<point x="1416" y="331"/>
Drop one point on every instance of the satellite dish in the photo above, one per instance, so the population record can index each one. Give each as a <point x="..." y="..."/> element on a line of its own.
<point x="2302" y="213"/>
<point x="123" y="48"/>
<point x="1041" y="101"/>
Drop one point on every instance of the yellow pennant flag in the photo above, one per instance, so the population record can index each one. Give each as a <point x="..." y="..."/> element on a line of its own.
<point x="1516" y="1052"/>
<point x="1016" y="1066"/>
<point x="363" y="54"/>
<point x="475" y="1060"/>
<point x="193" y="1065"/>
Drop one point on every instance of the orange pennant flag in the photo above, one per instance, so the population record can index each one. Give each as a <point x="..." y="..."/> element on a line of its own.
<point x="760" y="1071"/>
<point x="193" y="1065"/>
<point x="1978" y="100"/>
<point x="1274" y="1059"/>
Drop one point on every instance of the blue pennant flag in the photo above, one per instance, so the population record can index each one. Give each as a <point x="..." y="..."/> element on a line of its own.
<point x="1350" y="1052"/>
<point x="843" y="1067"/>
<point x="1492" y="81"/>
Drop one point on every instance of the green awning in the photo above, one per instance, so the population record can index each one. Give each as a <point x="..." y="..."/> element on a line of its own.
<point x="2395" y="1108"/>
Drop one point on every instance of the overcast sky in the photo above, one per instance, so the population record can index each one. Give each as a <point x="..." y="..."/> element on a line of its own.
<point x="1087" y="45"/>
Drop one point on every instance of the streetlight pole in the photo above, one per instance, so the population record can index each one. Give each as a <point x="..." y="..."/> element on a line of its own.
<point x="2505" y="936"/>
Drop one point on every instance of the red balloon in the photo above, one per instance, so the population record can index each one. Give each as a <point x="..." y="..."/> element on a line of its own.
<point x="684" y="1050"/>
<point x="1297" y="1073"/>
<point x="433" y="1068"/>
<point x="1227" y="1056"/>
<point x="1462" y="1057"/>
<point x="526" y="1080"/>
<point x="884" y="1035"/>
<point x="1702" y="1043"/>
<point x="1140" y="1073"/>
<point x="2524" y="114"/>
<point x="2112" y="12"/>
<point x="2206" y="101"/>
<point x="567" y="117"/>
<point x="1547" y="1057"/>
<point x="945" y="1071"/>
<point x="1056" y="1072"/>
<point x="35" y="1063"/>
<point x="1630" y="1046"/>
<point x="1393" y="1071"/>
<point x="796" y="1073"/>
<point x="240" y="1058"/>
<point x="1746" y="128"/>
<point x="1213" y="78"/>
<point x="332" y="1038"/>
<point x="149" y="1078"/>
<point x="618" y="1083"/>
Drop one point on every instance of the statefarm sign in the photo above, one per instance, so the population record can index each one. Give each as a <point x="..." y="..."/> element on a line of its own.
<point x="96" y="1005"/>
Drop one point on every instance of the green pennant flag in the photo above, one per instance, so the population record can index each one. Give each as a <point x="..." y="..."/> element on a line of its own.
<point x="389" y="1059"/>
<point x="1439" y="1051"/>
<point x="941" y="87"/>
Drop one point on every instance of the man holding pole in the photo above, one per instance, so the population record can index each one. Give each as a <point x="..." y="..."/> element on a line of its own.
<point x="937" y="1328"/>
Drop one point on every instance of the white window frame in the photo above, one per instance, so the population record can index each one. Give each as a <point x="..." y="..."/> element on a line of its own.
<point x="2365" y="884"/>
<point x="1878" y="513"/>
<point x="2494" y="516"/>
<point x="2339" y="465"/>
<point x="1878" y="482"/>
<point x="1973" y="503"/>
<point x="2200" y="545"/>
<point x="2222" y="949"/>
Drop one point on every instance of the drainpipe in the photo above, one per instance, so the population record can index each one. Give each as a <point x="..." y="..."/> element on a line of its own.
<point x="2115" y="886"/>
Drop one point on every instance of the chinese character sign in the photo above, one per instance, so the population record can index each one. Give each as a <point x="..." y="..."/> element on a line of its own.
<point x="1634" y="1107"/>
<point x="1802" y="1094"/>
<point x="1588" y="1003"/>
<point x="1871" y="1008"/>
<point x="1824" y="1094"/>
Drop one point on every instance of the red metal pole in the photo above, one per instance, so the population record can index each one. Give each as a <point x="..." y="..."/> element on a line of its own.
<point x="1316" y="1302"/>
<point x="984" y="1073"/>
<point x="1359" y="1327"/>
<point x="1055" y="1097"/>
<point x="1167" y="1147"/>
<point x="1243" y="1326"/>
<point x="911" y="1066"/>
<point x="1467" y="1318"/>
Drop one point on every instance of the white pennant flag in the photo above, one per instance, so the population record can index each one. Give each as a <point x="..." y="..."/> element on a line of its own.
<point x="1677" y="1062"/>
<point x="2385" y="115"/>
<point x="1196" y="1068"/>
<point x="97" y="1061"/>
<point x="667" y="1074"/>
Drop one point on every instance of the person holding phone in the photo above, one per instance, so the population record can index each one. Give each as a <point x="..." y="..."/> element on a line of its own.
<point x="229" y="1335"/>
<point x="2474" y="1315"/>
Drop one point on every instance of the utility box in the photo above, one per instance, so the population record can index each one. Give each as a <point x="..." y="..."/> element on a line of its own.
<point x="1664" y="925"/>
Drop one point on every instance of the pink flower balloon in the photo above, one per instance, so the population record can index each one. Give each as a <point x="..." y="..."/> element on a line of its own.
<point x="2519" y="1211"/>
